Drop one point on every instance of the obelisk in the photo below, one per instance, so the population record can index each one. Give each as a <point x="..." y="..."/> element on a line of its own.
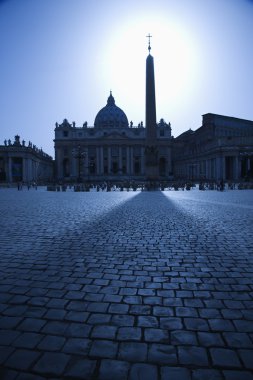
<point x="151" y="151"/>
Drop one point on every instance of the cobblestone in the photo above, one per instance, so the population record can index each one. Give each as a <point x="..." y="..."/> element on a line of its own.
<point x="126" y="285"/>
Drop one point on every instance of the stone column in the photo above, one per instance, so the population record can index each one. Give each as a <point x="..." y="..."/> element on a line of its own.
<point x="248" y="164"/>
<point x="34" y="174"/>
<point x="169" y="166"/>
<point x="207" y="170"/>
<point x="9" y="170"/>
<point x="109" y="160"/>
<point x="59" y="168"/>
<point x="128" y="160"/>
<point x="120" y="160"/>
<point x="29" y="170"/>
<point x="131" y="160"/>
<point x="101" y="160"/>
<point x="235" y="168"/>
<point x="220" y="172"/>
<point x="24" y="170"/>
<point x="86" y="162"/>
<point x="223" y="168"/>
<point x="142" y="160"/>
<point x="98" y="170"/>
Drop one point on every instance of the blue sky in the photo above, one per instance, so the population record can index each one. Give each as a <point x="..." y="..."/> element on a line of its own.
<point x="61" y="58"/>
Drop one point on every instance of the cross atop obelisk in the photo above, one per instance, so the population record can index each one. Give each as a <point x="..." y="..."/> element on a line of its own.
<point x="149" y="47"/>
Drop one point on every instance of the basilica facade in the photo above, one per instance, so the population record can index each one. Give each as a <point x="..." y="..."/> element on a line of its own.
<point x="111" y="150"/>
<point x="114" y="149"/>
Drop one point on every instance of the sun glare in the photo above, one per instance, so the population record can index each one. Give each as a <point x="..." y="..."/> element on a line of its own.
<point x="174" y="57"/>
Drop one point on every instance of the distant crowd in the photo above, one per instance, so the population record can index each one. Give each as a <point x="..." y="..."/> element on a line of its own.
<point x="150" y="186"/>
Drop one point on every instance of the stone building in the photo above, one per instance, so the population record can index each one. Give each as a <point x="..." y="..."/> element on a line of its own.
<point x="114" y="149"/>
<point x="24" y="163"/>
<point x="221" y="149"/>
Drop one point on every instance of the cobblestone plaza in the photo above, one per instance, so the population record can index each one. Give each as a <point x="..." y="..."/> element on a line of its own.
<point x="126" y="285"/>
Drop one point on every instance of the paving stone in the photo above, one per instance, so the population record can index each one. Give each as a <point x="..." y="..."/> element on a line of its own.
<point x="237" y="375"/>
<point x="193" y="302"/>
<point x="133" y="351"/>
<point x="118" y="308"/>
<point x="113" y="370"/>
<point x="223" y="357"/>
<point x="51" y="343"/>
<point x="210" y="339"/>
<point x="28" y="340"/>
<point x="35" y="312"/>
<point x="80" y="369"/>
<point x="76" y="305"/>
<point x="54" y="327"/>
<point x="221" y="325"/>
<point x="98" y="319"/>
<point x="28" y="376"/>
<point x="175" y="373"/>
<point x="122" y="320"/>
<point x="5" y="352"/>
<point x="22" y="359"/>
<point x="147" y="321"/>
<point x="182" y="337"/>
<point x="193" y="355"/>
<point x="172" y="302"/>
<point x="146" y="292"/>
<point x="104" y="332"/>
<point x="239" y="340"/>
<point x="171" y="323"/>
<point x="55" y="314"/>
<point x="9" y="322"/>
<point x="6" y="374"/>
<point x="78" y="330"/>
<point x="206" y="374"/>
<point x="140" y="371"/>
<point x="129" y="333"/>
<point x="140" y="309"/>
<point x="247" y="358"/>
<point x="209" y="313"/>
<point x="98" y="307"/>
<point x="15" y="311"/>
<point x="76" y="346"/>
<point x="198" y="324"/>
<point x="77" y="316"/>
<point x="156" y="335"/>
<point x="162" y="311"/>
<point x="94" y="297"/>
<point x="19" y="299"/>
<point x="150" y="300"/>
<point x="128" y="291"/>
<point x="162" y="354"/>
<point x="32" y="324"/>
<point x="52" y="364"/>
<point x="244" y="326"/>
<point x="8" y="336"/>
<point x="104" y="349"/>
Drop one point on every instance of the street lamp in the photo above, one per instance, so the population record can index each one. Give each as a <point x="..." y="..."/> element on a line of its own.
<point x="79" y="155"/>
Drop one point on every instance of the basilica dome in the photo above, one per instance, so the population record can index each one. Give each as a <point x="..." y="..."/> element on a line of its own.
<point x="111" y="116"/>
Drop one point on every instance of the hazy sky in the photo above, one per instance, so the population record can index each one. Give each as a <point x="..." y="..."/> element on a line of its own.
<point x="60" y="59"/>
